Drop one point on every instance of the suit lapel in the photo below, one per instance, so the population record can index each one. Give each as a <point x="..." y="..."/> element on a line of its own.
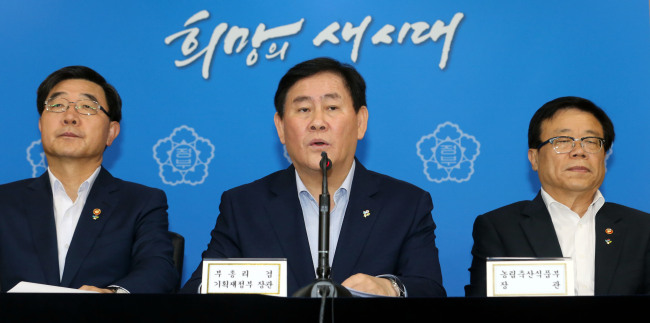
<point x="356" y="227"/>
<point x="285" y="216"/>
<point x="40" y="214"/>
<point x="607" y="254"/>
<point x="539" y="230"/>
<point x="88" y="228"/>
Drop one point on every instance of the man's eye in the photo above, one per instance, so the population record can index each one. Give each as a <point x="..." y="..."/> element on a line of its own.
<point x="332" y="107"/>
<point x="303" y="109"/>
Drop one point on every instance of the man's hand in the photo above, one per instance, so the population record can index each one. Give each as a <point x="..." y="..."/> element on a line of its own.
<point x="95" y="289"/>
<point x="369" y="284"/>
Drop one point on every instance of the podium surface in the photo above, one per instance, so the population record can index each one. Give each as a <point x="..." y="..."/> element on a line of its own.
<point x="259" y="308"/>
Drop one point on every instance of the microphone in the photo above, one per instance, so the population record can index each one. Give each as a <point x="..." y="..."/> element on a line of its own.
<point x="323" y="271"/>
<point x="323" y="286"/>
<point x="325" y="163"/>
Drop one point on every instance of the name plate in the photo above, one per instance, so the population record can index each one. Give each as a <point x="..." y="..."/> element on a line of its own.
<point x="530" y="277"/>
<point x="245" y="276"/>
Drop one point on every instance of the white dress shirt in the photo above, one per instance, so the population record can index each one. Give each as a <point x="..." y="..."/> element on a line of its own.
<point x="577" y="237"/>
<point x="67" y="213"/>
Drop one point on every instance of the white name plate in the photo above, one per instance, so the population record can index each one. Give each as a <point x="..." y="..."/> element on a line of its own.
<point x="530" y="277"/>
<point x="245" y="276"/>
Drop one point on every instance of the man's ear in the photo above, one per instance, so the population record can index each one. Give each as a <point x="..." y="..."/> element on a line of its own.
<point x="279" y="126"/>
<point x="533" y="155"/>
<point x="362" y="122"/>
<point x="113" y="131"/>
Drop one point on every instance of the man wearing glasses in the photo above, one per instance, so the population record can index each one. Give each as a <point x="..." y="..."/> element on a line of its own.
<point x="76" y="225"/>
<point x="609" y="243"/>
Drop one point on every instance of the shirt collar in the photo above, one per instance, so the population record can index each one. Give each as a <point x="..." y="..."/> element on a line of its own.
<point x="598" y="201"/>
<point x="57" y="186"/>
<point x="345" y="186"/>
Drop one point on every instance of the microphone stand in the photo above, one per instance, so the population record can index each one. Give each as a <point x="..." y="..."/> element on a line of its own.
<point x="323" y="286"/>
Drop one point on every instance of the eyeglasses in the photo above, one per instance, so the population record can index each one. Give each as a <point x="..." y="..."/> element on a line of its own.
<point x="565" y="144"/>
<point x="83" y="106"/>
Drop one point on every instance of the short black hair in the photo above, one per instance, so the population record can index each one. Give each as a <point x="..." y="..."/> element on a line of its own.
<point x="353" y="80"/>
<point x="84" y="73"/>
<point x="549" y="109"/>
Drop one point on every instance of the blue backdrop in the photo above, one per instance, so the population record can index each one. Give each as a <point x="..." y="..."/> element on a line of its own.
<point x="451" y="88"/>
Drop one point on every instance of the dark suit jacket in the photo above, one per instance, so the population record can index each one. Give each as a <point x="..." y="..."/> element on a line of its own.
<point x="127" y="245"/>
<point x="524" y="229"/>
<point x="264" y="219"/>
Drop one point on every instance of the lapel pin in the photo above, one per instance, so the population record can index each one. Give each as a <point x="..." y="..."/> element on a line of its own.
<point x="609" y="231"/>
<point x="608" y="241"/>
<point x="96" y="213"/>
<point x="366" y="213"/>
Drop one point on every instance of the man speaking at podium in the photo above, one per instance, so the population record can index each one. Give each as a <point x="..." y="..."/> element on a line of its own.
<point x="76" y="225"/>
<point x="381" y="231"/>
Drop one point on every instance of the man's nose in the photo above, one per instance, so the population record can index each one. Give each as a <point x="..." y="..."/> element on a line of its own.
<point x="577" y="150"/>
<point x="70" y="115"/>
<point x="318" y="120"/>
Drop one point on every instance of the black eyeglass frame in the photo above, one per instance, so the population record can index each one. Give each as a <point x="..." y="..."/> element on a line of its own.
<point x="573" y="143"/>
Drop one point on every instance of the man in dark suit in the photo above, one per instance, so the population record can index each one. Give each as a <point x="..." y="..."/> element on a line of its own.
<point x="609" y="243"/>
<point x="381" y="234"/>
<point x="76" y="225"/>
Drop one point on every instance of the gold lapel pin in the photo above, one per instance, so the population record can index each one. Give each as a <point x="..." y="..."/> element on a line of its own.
<point x="96" y="213"/>
<point x="366" y="213"/>
<point x="609" y="231"/>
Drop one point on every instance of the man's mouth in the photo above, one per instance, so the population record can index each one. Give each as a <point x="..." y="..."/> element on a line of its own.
<point x="581" y="169"/>
<point x="68" y="134"/>
<point x="318" y="143"/>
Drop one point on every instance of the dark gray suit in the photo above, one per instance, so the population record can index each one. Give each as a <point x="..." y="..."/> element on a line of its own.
<point x="524" y="229"/>
<point x="264" y="219"/>
<point x="126" y="245"/>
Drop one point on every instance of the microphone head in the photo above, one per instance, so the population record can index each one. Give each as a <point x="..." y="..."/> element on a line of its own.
<point x="325" y="163"/>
